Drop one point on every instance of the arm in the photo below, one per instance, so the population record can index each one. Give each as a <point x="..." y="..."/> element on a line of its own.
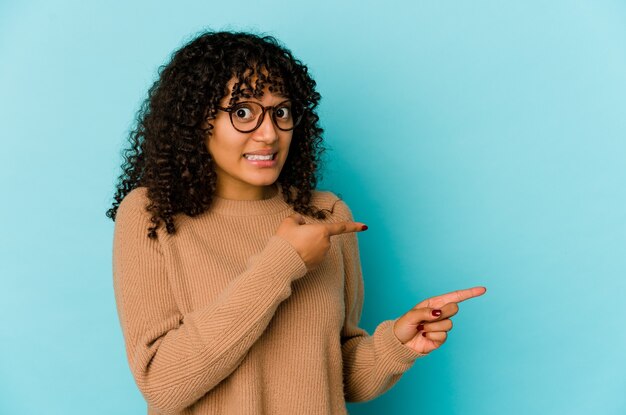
<point x="371" y="364"/>
<point x="176" y="358"/>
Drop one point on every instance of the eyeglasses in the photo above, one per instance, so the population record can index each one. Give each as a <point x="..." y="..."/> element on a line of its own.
<point x="247" y="116"/>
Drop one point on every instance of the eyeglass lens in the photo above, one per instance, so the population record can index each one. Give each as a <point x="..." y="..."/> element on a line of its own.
<point x="246" y="115"/>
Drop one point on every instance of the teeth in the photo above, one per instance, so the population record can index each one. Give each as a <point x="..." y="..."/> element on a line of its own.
<point x="258" y="157"/>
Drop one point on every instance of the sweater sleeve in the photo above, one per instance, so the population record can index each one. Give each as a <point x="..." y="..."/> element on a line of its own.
<point x="177" y="358"/>
<point x="371" y="364"/>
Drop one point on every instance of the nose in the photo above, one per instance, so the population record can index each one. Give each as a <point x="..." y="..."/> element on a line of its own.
<point x="267" y="129"/>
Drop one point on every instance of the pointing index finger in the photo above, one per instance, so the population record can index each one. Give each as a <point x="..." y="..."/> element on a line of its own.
<point x="453" y="297"/>
<point x="338" y="228"/>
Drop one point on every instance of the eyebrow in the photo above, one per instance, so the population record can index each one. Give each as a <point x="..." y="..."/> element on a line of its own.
<point x="279" y="96"/>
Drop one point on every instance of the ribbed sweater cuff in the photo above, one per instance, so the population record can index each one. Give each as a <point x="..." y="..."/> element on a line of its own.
<point x="290" y="260"/>
<point x="395" y="351"/>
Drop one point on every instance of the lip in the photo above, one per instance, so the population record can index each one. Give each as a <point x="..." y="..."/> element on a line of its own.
<point x="262" y="152"/>
<point x="262" y="163"/>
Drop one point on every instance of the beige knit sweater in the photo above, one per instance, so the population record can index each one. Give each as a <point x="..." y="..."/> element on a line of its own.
<point x="223" y="317"/>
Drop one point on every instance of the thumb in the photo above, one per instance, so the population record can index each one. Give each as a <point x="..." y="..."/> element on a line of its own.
<point x="298" y="218"/>
<point x="404" y="327"/>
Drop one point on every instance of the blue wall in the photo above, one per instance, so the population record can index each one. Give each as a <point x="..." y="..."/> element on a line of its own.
<point x="482" y="142"/>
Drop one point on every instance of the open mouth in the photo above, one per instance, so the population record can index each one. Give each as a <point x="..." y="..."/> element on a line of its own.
<point x="259" y="157"/>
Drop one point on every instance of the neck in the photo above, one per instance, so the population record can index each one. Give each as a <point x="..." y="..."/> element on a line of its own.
<point x="258" y="193"/>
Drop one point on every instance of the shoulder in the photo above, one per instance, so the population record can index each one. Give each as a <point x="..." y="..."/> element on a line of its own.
<point x="133" y="218"/>
<point x="134" y="203"/>
<point x="133" y="222"/>
<point x="333" y="203"/>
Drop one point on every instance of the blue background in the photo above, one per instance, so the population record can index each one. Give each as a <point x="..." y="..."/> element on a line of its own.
<point x="481" y="141"/>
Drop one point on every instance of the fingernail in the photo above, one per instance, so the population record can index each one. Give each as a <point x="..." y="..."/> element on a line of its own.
<point x="364" y="228"/>
<point x="436" y="313"/>
<point x="420" y="327"/>
<point x="424" y="334"/>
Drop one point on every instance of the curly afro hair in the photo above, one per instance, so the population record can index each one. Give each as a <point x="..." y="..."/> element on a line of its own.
<point x="168" y="153"/>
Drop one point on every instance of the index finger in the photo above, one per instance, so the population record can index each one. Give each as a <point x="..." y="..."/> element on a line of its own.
<point x="338" y="228"/>
<point x="453" y="297"/>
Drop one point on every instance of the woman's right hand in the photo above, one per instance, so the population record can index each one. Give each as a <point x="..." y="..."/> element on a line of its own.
<point x="312" y="241"/>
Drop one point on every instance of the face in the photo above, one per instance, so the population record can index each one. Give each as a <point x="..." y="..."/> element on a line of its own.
<point x="238" y="177"/>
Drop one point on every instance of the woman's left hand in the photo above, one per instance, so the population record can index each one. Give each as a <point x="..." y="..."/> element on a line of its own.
<point x="422" y="330"/>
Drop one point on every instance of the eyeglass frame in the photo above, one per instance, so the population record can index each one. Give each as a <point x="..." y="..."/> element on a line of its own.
<point x="230" y="109"/>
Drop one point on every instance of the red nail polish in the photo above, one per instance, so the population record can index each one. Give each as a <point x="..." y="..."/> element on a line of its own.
<point x="420" y="327"/>
<point x="424" y="334"/>
<point x="364" y="228"/>
<point x="436" y="313"/>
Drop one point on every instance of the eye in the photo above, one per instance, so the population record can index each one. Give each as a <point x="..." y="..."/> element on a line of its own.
<point x="244" y="113"/>
<point x="284" y="112"/>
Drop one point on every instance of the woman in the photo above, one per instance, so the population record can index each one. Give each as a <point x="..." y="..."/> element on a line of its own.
<point x="248" y="298"/>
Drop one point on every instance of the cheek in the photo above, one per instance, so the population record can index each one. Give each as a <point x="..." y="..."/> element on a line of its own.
<point x="287" y="141"/>
<point x="224" y="151"/>
<point x="224" y="145"/>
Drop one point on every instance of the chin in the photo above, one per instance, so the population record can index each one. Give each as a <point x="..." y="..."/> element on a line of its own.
<point x="266" y="180"/>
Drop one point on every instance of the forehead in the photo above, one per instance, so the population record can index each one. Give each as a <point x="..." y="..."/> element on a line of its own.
<point x="255" y="85"/>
